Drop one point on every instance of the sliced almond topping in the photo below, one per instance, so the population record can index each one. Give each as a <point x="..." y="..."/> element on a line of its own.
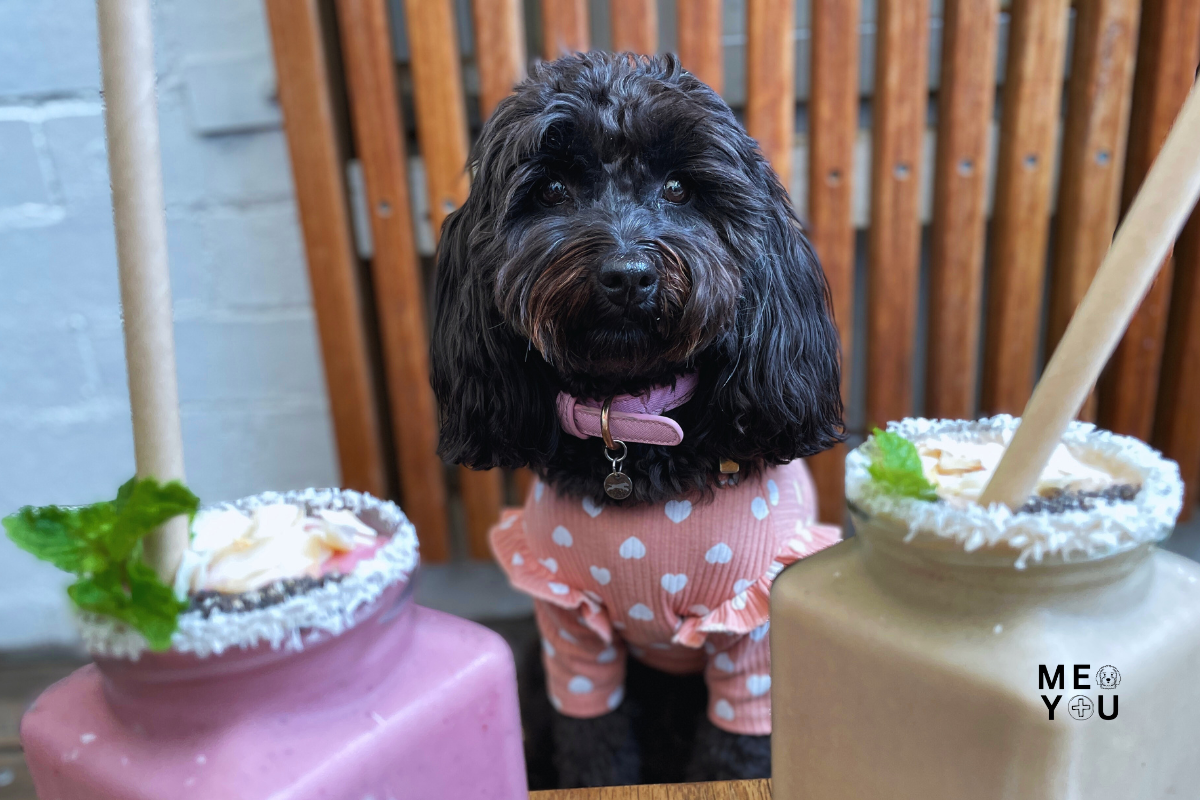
<point x="958" y="465"/>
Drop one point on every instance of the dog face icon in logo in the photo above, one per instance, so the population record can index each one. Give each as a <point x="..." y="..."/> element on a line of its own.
<point x="1108" y="677"/>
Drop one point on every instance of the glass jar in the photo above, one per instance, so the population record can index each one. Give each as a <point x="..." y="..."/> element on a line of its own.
<point x="401" y="702"/>
<point x="907" y="666"/>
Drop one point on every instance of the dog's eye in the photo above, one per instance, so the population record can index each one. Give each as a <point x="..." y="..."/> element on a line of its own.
<point x="675" y="192"/>
<point x="553" y="193"/>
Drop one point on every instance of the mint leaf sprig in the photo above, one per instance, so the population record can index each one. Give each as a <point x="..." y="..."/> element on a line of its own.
<point x="102" y="544"/>
<point x="896" y="467"/>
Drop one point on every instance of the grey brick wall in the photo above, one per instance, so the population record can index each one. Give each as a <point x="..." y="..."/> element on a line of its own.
<point x="254" y="405"/>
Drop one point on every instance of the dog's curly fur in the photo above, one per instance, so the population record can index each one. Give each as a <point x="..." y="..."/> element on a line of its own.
<point x="600" y="158"/>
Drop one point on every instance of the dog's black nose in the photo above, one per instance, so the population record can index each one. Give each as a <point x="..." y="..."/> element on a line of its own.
<point x="628" y="281"/>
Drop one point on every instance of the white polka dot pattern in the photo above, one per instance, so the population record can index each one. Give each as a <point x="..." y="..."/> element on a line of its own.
<point x="590" y="508"/>
<point x="672" y="584"/>
<point x="758" y="684"/>
<point x="640" y="611"/>
<point x="758" y="507"/>
<point x="719" y="553"/>
<point x="681" y="586"/>
<point x="678" y="510"/>
<point x="632" y="548"/>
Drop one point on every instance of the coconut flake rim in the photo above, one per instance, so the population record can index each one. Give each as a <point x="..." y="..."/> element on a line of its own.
<point x="327" y="610"/>
<point x="1111" y="527"/>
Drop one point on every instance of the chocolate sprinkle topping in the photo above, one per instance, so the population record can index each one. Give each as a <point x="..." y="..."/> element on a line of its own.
<point x="207" y="602"/>
<point x="1057" y="501"/>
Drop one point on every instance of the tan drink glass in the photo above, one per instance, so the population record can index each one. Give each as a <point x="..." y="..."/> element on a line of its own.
<point x="961" y="652"/>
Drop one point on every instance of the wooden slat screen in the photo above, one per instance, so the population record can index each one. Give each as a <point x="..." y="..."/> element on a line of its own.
<point x="833" y="128"/>
<point x="1092" y="155"/>
<point x="564" y="28"/>
<point x="442" y="134"/>
<point x="501" y="56"/>
<point x="304" y="94"/>
<point x="1177" y="424"/>
<point x="1129" y="60"/>
<point x="634" y="26"/>
<point x="894" y="238"/>
<point x="957" y="237"/>
<point x="501" y="52"/>
<point x="399" y="297"/>
<point x="699" y="32"/>
<point x="1168" y="53"/>
<point x="771" y="80"/>
<point x="1037" y="45"/>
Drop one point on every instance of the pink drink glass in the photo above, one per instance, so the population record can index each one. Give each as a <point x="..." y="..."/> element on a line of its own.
<point x="408" y="703"/>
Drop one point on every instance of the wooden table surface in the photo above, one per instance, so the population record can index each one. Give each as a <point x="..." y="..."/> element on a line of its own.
<point x="732" y="790"/>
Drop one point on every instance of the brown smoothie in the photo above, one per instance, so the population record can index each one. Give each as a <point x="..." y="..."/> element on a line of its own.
<point x="951" y="651"/>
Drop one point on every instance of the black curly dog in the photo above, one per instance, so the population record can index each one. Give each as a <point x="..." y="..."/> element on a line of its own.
<point x="622" y="228"/>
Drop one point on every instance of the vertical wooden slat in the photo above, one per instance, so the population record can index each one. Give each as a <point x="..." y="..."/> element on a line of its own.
<point x="771" y="80"/>
<point x="522" y="482"/>
<point x="399" y="297"/>
<point x="564" y="28"/>
<point x="698" y="24"/>
<point x="1092" y="155"/>
<point x="894" y="241"/>
<point x="499" y="50"/>
<point x="1177" y="423"/>
<point x="1037" y="43"/>
<point x="833" y="126"/>
<point x="442" y="133"/>
<point x="1168" y="49"/>
<point x="439" y="104"/>
<point x="965" y="102"/>
<point x="302" y="70"/>
<point x="634" y="26"/>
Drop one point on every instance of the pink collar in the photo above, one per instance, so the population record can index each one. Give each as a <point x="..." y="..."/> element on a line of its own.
<point x="633" y="418"/>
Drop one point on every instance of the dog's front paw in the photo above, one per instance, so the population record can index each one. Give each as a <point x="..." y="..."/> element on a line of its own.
<point x="722" y="756"/>
<point x="601" y="751"/>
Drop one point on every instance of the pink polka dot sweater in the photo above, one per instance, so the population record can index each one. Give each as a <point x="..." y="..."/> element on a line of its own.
<point x="682" y="586"/>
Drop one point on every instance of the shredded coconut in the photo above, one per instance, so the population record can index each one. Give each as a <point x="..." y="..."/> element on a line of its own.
<point x="331" y="608"/>
<point x="1112" y="527"/>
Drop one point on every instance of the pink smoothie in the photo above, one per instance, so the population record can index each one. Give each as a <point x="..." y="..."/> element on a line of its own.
<point x="410" y="704"/>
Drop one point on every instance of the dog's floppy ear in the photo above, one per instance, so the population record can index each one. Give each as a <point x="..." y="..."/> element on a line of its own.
<point x="496" y="402"/>
<point x="779" y="398"/>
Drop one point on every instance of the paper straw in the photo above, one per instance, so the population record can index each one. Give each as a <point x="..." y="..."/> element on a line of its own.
<point x="135" y="169"/>
<point x="1142" y="242"/>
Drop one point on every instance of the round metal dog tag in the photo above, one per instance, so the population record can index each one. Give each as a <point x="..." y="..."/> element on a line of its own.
<point x="618" y="485"/>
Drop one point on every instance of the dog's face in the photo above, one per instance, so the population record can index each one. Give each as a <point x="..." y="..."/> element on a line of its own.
<point x="611" y="259"/>
<point x="622" y="229"/>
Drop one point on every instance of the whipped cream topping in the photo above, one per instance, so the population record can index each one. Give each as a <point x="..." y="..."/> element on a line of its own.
<point x="325" y="611"/>
<point x="237" y="551"/>
<point x="960" y="470"/>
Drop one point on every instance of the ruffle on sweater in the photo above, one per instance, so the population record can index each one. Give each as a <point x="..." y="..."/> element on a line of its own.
<point x="740" y="614"/>
<point x="527" y="573"/>
<point x="751" y="608"/>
